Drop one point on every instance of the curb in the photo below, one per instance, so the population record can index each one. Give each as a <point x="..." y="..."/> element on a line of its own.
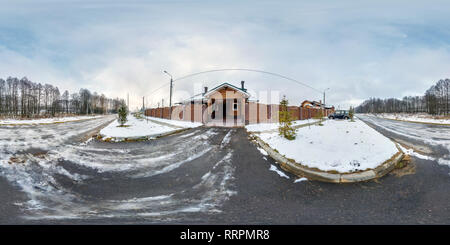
<point x="139" y="138"/>
<point x="162" y="123"/>
<point x="315" y="174"/>
<point x="296" y="127"/>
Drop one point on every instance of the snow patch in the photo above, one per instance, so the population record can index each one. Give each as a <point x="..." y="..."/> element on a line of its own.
<point x="280" y="173"/>
<point x="300" y="180"/>
<point x="226" y="139"/>
<point x="411" y="152"/>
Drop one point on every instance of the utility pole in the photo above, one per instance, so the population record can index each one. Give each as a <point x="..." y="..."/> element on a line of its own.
<point x="170" y="98"/>
<point x="323" y="105"/>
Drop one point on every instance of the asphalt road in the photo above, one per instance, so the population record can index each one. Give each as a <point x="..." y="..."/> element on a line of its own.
<point x="205" y="176"/>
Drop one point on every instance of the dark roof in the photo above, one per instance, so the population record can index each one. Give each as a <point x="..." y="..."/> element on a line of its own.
<point x="229" y="85"/>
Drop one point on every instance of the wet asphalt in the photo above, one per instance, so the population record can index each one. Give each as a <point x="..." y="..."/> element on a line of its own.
<point x="222" y="182"/>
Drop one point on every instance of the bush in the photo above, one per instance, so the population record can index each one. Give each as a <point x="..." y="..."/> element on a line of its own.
<point x="123" y="113"/>
<point x="285" y="129"/>
<point x="351" y="113"/>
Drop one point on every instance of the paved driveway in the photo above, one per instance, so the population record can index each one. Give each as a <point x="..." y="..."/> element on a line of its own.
<point x="201" y="176"/>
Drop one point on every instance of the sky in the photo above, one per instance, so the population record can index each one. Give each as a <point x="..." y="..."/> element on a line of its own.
<point x="352" y="49"/>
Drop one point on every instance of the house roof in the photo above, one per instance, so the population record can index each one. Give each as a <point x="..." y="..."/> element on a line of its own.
<point x="201" y="96"/>
<point x="243" y="91"/>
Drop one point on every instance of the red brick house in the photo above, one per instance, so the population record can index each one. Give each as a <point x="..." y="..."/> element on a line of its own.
<point x="228" y="106"/>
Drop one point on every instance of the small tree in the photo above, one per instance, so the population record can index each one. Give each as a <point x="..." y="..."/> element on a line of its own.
<point x="351" y="113"/>
<point x="123" y="113"/>
<point x="285" y="129"/>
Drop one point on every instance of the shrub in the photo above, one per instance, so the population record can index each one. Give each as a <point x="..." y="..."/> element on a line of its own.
<point x="123" y="113"/>
<point x="351" y="113"/>
<point x="285" y="129"/>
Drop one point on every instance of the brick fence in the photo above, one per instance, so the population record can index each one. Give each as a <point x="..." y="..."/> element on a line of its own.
<point x="254" y="112"/>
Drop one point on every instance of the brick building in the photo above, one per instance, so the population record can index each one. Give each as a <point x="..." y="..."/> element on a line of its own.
<point x="230" y="106"/>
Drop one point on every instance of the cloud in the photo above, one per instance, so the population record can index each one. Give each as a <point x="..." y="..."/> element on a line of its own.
<point x="357" y="49"/>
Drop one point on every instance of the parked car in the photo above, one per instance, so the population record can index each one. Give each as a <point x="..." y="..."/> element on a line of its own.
<point x="339" y="114"/>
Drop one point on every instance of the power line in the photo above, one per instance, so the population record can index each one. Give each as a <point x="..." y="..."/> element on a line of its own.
<point x="251" y="70"/>
<point x="237" y="69"/>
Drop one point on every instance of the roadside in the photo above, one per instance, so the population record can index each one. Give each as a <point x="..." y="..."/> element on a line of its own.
<point x="339" y="151"/>
<point x="44" y="121"/>
<point x="414" y="118"/>
<point x="427" y="141"/>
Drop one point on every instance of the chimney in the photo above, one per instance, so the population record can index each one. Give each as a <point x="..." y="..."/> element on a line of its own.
<point x="206" y="90"/>
<point x="242" y="85"/>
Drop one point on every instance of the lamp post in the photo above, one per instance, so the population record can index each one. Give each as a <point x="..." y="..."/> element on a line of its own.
<point x="170" y="98"/>
<point x="323" y="105"/>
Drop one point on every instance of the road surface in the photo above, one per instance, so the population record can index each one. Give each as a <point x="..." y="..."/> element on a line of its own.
<point x="204" y="176"/>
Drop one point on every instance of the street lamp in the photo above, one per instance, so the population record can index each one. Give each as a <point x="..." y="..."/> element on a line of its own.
<point x="324" y="96"/>
<point x="323" y="105"/>
<point x="170" y="99"/>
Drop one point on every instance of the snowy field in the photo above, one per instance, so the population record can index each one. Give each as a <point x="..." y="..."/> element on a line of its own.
<point x="137" y="128"/>
<point x="45" y="120"/>
<point x="420" y="117"/>
<point x="273" y="126"/>
<point x="341" y="146"/>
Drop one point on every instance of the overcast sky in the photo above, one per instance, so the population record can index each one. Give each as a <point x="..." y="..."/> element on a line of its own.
<point x="358" y="49"/>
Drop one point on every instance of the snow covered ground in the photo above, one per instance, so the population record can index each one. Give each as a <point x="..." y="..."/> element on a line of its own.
<point x="273" y="126"/>
<point x="45" y="120"/>
<point x="342" y="146"/>
<point x="419" y="117"/>
<point x="138" y="128"/>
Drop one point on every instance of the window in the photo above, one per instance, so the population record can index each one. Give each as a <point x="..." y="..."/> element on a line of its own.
<point x="235" y="105"/>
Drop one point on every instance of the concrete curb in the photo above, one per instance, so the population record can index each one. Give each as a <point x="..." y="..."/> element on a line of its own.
<point x="139" y="138"/>
<point x="296" y="127"/>
<point x="315" y="174"/>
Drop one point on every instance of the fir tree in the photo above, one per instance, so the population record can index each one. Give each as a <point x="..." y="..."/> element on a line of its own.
<point x="123" y="113"/>
<point x="351" y="113"/>
<point x="285" y="129"/>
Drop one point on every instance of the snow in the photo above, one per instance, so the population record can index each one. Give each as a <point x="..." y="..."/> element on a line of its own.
<point x="177" y="123"/>
<point x="300" y="180"/>
<point x="262" y="151"/>
<point x="135" y="128"/>
<point x="141" y="127"/>
<point x="280" y="173"/>
<point x="411" y="152"/>
<point x="339" y="145"/>
<point x="273" y="126"/>
<point x="418" y="117"/>
<point x="45" y="120"/>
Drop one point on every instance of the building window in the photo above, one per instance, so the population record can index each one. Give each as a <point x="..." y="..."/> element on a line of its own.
<point x="235" y="105"/>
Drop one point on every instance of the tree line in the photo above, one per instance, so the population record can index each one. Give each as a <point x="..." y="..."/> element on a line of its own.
<point x="435" y="101"/>
<point x="24" y="98"/>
